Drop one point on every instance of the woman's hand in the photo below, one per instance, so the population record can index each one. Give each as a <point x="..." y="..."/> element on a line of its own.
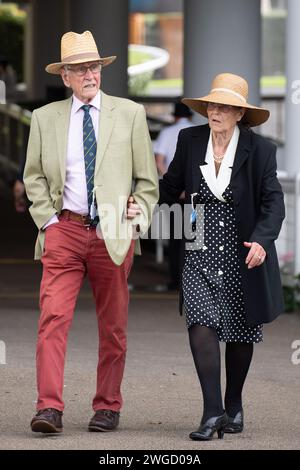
<point x="256" y="255"/>
<point x="133" y="209"/>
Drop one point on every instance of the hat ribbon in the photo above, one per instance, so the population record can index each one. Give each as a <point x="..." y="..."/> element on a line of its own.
<point x="227" y="90"/>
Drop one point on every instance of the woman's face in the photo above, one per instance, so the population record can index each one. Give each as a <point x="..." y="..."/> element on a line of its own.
<point x="223" y="117"/>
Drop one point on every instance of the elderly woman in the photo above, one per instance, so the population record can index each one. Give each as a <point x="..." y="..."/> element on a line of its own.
<point x="230" y="280"/>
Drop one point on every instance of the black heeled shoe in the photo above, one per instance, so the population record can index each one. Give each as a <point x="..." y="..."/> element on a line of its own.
<point x="235" y="424"/>
<point x="207" y="430"/>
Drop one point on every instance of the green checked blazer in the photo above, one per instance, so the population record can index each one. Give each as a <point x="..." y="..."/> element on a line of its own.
<point x="125" y="165"/>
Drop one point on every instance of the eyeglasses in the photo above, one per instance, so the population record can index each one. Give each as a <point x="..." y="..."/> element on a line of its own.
<point x="223" y="108"/>
<point x="81" y="70"/>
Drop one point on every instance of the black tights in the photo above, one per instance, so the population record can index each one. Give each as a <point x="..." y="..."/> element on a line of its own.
<point x="206" y="353"/>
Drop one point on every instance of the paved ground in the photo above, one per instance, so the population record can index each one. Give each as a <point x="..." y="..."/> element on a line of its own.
<point x="162" y="399"/>
<point x="161" y="393"/>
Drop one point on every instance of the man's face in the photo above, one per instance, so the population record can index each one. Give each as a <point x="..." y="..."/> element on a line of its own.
<point x="84" y="79"/>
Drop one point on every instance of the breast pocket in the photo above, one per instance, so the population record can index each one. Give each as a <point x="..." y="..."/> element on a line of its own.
<point x="120" y="136"/>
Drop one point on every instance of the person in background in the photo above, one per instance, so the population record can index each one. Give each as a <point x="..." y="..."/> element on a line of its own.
<point x="164" y="150"/>
<point x="165" y="144"/>
<point x="19" y="193"/>
<point x="9" y="77"/>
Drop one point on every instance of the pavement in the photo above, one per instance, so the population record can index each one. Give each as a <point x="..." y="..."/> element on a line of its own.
<point x="162" y="398"/>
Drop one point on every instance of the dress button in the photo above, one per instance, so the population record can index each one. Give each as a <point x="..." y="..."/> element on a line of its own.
<point x="221" y="248"/>
<point x="59" y="192"/>
<point x="221" y="223"/>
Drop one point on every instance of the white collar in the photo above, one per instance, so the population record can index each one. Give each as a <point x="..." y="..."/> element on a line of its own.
<point x="77" y="104"/>
<point x="218" y="184"/>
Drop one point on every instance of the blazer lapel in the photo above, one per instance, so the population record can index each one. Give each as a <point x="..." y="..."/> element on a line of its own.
<point x="106" y="124"/>
<point x="199" y="145"/>
<point x="62" y="129"/>
<point x="242" y="151"/>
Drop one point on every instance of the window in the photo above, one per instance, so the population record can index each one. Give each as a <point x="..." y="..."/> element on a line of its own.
<point x="155" y="48"/>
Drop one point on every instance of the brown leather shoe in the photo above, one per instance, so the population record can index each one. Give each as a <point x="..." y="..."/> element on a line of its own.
<point x="104" y="420"/>
<point x="48" y="420"/>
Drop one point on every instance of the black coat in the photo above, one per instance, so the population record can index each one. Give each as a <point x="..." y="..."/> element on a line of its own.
<point x="258" y="205"/>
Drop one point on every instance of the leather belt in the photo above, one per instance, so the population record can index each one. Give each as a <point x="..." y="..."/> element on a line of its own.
<point x="83" y="219"/>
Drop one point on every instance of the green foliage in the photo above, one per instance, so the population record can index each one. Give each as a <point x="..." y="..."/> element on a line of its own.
<point x="137" y="85"/>
<point x="291" y="295"/>
<point x="12" y="22"/>
<point x="277" y="81"/>
<point x="273" y="44"/>
<point x="137" y="57"/>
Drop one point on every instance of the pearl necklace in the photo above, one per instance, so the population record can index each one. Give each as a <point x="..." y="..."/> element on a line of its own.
<point x="218" y="158"/>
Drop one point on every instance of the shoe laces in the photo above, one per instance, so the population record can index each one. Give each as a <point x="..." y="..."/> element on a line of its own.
<point x="109" y="412"/>
<point x="49" y="412"/>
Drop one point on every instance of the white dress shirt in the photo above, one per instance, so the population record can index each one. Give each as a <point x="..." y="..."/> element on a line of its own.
<point x="75" y="190"/>
<point x="166" y="142"/>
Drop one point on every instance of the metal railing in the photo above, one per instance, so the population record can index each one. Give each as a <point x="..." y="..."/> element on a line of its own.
<point x="15" y="121"/>
<point x="288" y="242"/>
<point x="14" y="131"/>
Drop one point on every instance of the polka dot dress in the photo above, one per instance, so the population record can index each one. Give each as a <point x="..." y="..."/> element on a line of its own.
<point x="211" y="279"/>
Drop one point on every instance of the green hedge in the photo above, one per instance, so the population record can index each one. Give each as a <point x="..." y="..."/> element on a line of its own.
<point x="12" y="21"/>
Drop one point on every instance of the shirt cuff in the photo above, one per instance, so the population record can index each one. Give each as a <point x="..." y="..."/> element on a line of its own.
<point x="53" y="220"/>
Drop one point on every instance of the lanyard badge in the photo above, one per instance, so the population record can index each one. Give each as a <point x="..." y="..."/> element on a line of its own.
<point x="193" y="217"/>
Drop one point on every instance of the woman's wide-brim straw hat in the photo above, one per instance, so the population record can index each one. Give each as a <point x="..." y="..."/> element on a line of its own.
<point x="77" y="49"/>
<point x="230" y="89"/>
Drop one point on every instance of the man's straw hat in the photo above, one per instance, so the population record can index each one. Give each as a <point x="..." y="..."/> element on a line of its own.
<point x="76" y="49"/>
<point x="229" y="89"/>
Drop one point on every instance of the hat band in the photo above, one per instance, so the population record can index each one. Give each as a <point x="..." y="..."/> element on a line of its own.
<point x="227" y="90"/>
<point x="83" y="55"/>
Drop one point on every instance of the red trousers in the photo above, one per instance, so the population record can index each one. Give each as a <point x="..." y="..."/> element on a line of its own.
<point x="71" y="251"/>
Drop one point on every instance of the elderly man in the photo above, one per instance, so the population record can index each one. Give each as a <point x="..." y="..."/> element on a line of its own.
<point x="84" y="156"/>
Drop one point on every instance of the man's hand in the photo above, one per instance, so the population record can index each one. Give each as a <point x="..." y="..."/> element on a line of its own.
<point x="133" y="209"/>
<point x="256" y="255"/>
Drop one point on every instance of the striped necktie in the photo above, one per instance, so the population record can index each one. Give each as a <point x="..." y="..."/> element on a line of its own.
<point x="90" y="149"/>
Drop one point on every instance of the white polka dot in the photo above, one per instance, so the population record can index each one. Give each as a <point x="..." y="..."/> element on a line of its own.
<point x="212" y="299"/>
